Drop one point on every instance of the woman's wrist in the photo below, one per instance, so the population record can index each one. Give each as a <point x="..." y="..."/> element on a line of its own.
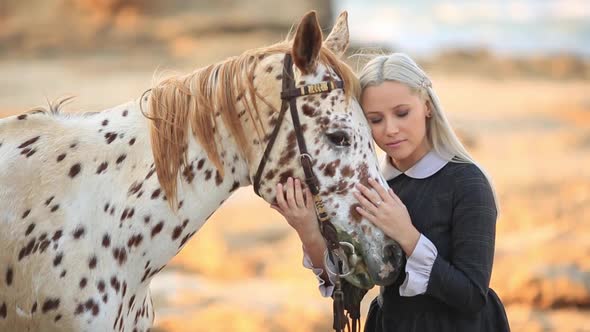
<point x="311" y="238"/>
<point x="409" y="241"/>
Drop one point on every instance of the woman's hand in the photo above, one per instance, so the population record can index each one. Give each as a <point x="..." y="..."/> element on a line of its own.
<point x="295" y="204"/>
<point x="384" y="209"/>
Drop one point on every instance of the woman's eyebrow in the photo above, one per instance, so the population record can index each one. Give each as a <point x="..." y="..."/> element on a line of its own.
<point x="392" y="109"/>
<point x="398" y="106"/>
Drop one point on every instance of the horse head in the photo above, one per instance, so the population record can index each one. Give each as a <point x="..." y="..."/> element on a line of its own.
<point x="330" y="134"/>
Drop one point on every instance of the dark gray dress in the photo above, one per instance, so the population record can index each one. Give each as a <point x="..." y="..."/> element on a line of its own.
<point x="454" y="208"/>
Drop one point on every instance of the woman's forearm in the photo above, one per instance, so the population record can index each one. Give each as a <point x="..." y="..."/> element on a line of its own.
<point x="314" y="246"/>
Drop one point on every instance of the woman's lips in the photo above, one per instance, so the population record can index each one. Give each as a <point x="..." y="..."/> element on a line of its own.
<point x="395" y="144"/>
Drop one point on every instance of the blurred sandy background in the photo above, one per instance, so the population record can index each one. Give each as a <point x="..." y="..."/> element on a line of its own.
<point x="518" y="92"/>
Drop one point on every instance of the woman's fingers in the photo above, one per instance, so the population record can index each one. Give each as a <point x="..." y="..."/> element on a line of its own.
<point x="299" y="194"/>
<point x="366" y="214"/>
<point x="365" y="203"/>
<point x="369" y="194"/>
<point x="394" y="196"/>
<point x="291" y="194"/>
<point x="281" y="197"/>
<point x="379" y="189"/>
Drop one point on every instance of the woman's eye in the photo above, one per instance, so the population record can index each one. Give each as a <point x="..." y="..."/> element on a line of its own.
<point x="339" y="138"/>
<point x="377" y="120"/>
<point x="403" y="113"/>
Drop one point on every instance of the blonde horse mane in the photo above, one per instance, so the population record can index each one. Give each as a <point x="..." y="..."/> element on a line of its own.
<point x="193" y="99"/>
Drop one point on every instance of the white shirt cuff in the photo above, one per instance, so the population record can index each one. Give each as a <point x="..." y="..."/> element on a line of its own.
<point x="418" y="268"/>
<point x="325" y="290"/>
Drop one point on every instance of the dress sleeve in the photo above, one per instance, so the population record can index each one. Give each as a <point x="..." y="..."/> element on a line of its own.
<point x="418" y="268"/>
<point x="463" y="281"/>
<point x="325" y="290"/>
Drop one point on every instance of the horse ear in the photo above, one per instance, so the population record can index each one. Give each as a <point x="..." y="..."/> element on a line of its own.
<point x="338" y="38"/>
<point x="307" y="43"/>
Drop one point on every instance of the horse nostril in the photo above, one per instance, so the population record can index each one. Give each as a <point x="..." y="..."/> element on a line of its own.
<point x="392" y="252"/>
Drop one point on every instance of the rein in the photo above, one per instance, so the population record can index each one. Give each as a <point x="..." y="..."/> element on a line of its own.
<point x="335" y="252"/>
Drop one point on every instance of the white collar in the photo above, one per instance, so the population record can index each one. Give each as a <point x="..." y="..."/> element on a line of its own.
<point x="431" y="163"/>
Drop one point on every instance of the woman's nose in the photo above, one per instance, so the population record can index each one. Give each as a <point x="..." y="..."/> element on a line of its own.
<point x="391" y="128"/>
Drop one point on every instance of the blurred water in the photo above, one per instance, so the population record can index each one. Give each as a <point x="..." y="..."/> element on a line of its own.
<point x="510" y="27"/>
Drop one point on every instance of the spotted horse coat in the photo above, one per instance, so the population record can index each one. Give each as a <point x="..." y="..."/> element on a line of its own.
<point x="93" y="206"/>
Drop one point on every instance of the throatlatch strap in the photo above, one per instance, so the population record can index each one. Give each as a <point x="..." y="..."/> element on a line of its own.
<point x="288" y="63"/>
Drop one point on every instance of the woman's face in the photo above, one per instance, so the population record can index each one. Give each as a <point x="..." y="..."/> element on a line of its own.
<point x="397" y="117"/>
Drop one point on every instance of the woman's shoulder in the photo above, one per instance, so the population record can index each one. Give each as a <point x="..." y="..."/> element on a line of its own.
<point x="470" y="184"/>
<point x="464" y="170"/>
<point x="467" y="177"/>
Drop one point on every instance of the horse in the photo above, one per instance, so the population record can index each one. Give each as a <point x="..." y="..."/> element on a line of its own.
<point x="93" y="206"/>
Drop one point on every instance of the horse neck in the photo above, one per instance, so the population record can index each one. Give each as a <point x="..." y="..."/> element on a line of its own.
<point x="201" y="190"/>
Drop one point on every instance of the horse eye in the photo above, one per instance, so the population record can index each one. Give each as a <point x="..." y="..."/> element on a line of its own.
<point x="339" y="138"/>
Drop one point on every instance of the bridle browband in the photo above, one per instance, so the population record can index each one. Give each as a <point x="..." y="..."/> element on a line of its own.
<point x="289" y="94"/>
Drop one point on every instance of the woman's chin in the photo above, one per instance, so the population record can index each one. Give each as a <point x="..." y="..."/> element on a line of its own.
<point x="398" y="155"/>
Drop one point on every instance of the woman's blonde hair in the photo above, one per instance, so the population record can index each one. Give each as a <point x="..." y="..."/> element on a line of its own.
<point x="399" y="67"/>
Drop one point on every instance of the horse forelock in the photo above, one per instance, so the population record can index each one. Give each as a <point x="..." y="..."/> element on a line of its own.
<point x="224" y="87"/>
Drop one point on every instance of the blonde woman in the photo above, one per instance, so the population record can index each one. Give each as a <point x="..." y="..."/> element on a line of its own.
<point x="440" y="207"/>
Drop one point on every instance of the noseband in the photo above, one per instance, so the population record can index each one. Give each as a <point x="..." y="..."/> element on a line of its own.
<point x="335" y="253"/>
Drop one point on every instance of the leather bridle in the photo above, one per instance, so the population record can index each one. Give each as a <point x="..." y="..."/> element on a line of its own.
<point x="289" y="94"/>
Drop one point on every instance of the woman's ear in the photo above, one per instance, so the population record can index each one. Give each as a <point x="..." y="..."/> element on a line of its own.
<point x="429" y="110"/>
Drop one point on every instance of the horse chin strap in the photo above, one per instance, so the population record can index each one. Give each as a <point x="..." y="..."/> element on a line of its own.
<point x="288" y="95"/>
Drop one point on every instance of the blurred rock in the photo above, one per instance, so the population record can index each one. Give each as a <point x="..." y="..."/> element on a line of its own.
<point x="485" y="62"/>
<point x="206" y="254"/>
<point x="240" y="241"/>
<point x="543" y="251"/>
<point x="187" y="302"/>
<point x="217" y="317"/>
<point x="45" y="27"/>
<point x="110" y="7"/>
<point x="523" y="318"/>
<point x="552" y="287"/>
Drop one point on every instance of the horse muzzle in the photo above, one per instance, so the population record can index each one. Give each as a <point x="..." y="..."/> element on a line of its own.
<point x="386" y="270"/>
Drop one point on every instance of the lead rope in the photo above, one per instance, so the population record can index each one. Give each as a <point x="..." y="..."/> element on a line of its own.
<point x="340" y="320"/>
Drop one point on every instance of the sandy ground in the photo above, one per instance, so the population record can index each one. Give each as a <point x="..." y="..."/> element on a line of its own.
<point x="242" y="271"/>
